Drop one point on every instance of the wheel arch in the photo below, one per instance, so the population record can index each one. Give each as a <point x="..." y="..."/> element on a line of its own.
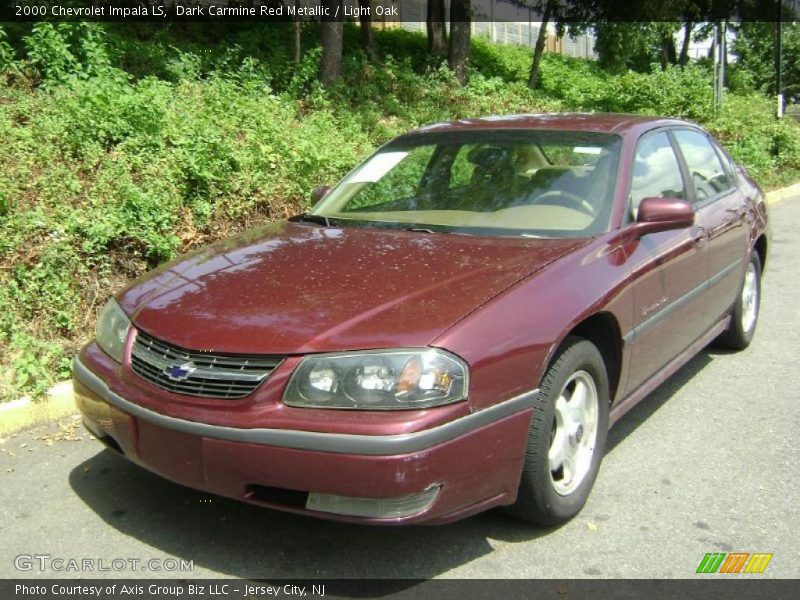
<point x="760" y="246"/>
<point x="601" y="329"/>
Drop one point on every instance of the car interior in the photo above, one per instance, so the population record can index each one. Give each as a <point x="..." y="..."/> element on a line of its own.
<point x="561" y="187"/>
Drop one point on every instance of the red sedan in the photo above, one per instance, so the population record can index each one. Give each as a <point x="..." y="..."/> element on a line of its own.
<point x="452" y="327"/>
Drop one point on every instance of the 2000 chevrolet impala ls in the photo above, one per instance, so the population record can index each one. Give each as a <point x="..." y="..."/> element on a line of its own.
<point x="453" y="327"/>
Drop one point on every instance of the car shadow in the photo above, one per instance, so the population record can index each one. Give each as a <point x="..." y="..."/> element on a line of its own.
<point x="656" y="399"/>
<point x="240" y="540"/>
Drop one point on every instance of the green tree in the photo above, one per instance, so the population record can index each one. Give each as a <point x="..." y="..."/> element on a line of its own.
<point x="437" y="33"/>
<point x="460" y="29"/>
<point x="332" y="40"/>
<point x="568" y="16"/>
<point x="754" y="49"/>
<point x="637" y="46"/>
<point x="367" y="37"/>
<point x="550" y="7"/>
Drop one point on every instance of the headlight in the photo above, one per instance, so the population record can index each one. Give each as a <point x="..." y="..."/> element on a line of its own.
<point x="378" y="380"/>
<point x="112" y="330"/>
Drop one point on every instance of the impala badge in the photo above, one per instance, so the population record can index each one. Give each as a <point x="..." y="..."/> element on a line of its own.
<point x="654" y="306"/>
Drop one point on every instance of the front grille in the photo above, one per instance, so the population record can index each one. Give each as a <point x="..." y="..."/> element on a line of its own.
<point x="194" y="373"/>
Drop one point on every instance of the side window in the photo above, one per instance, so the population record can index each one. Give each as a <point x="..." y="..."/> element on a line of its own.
<point x="727" y="161"/>
<point x="655" y="171"/>
<point x="708" y="176"/>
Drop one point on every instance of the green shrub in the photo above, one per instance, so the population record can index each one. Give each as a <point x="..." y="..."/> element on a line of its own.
<point x="6" y="52"/>
<point x="768" y="147"/>
<point x="63" y="51"/>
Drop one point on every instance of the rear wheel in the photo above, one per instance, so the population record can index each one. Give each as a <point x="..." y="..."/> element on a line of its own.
<point x="744" y="316"/>
<point x="567" y="436"/>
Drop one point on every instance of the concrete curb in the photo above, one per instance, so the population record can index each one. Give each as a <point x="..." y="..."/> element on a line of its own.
<point x="783" y="193"/>
<point x="59" y="402"/>
<point x="23" y="413"/>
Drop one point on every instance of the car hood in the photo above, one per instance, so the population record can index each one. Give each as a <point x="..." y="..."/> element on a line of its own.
<point x="292" y="288"/>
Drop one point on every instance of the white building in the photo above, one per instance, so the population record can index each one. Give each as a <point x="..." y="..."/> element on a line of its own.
<point x="502" y="21"/>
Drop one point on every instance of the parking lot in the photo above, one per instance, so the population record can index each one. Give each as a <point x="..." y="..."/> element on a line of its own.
<point x="707" y="463"/>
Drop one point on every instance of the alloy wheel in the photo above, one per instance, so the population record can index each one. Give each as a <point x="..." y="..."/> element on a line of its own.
<point x="574" y="433"/>
<point x="749" y="298"/>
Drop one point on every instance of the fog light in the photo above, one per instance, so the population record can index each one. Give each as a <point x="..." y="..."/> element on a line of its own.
<point x="374" y="508"/>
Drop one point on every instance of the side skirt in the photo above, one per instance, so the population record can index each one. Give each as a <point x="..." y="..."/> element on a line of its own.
<point x="623" y="406"/>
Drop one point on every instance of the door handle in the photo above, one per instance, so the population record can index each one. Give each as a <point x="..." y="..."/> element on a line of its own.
<point x="744" y="209"/>
<point x="699" y="235"/>
<point x="740" y="212"/>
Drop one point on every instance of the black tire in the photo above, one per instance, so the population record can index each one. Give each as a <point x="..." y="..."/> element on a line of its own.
<point x="737" y="336"/>
<point x="538" y="501"/>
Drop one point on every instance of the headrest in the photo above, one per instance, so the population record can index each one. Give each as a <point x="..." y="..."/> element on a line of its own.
<point x="488" y="156"/>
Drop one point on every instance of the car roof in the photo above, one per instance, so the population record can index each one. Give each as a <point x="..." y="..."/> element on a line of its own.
<point x="598" y="122"/>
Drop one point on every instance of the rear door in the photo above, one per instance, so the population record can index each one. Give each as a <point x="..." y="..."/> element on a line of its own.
<point x="668" y="268"/>
<point x="723" y="209"/>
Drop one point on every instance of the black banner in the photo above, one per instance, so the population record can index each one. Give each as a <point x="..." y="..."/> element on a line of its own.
<point x="701" y="587"/>
<point x="389" y="11"/>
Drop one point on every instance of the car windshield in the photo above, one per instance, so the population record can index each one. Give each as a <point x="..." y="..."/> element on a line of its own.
<point x="520" y="183"/>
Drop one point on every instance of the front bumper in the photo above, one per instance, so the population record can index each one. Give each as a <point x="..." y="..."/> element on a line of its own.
<point x="473" y="462"/>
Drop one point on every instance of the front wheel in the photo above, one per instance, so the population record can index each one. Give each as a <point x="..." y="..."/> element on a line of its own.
<point x="744" y="315"/>
<point x="567" y="436"/>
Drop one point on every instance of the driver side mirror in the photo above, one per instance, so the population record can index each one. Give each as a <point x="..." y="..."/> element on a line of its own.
<point x="662" y="214"/>
<point x="318" y="193"/>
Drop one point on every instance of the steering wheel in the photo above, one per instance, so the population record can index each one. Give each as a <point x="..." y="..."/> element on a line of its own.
<point x="574" y="201"/>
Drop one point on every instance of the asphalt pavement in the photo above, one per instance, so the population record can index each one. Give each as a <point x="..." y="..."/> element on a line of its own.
<point x="707" y="463"/>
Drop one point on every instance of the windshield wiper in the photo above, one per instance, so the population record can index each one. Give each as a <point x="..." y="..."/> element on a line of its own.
<point x="309" y="218"/>
<point x="442" y="231"/>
